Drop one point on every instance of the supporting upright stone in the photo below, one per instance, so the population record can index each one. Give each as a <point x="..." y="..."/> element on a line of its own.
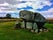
<point x="35" y="27"/>
<point x="29" y="25"/>
<point x="22" y="24"/>
<point x="25" y="24"/>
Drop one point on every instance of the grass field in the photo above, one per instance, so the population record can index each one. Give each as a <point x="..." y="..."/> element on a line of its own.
<point x="7" y="32"/>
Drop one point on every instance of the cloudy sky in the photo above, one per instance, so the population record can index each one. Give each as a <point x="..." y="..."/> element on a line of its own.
<point x="45" y="7"/>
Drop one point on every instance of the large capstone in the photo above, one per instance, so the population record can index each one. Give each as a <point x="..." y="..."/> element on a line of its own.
<point x="31" y="16"/>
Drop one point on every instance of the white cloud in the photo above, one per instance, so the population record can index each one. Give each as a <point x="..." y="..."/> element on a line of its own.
<point x="48" y="13"/>
<point x="47" y="3"/>
<point x="32" y="10"/>
<point x="50" y="10"/>
<point x="4" y="4"/>
<point x="3" y="8"/>
<point x="20" y="5"/>
<point x="28" y="0"/>
<point x="35" y="4"/>
<point x="2" y="15"/>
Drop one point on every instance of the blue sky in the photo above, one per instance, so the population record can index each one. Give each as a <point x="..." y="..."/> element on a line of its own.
<point x="45" y="7"/>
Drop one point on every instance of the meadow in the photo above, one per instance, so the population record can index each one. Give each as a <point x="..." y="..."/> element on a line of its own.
<point x="8" y="32"/>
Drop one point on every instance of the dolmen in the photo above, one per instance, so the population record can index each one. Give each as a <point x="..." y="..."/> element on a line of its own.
<point x="32" y="20"/>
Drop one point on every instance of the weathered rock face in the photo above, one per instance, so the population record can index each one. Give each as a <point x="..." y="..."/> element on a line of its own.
<point x="31" y="16"/>
<point x="27" y="15"/>
<point x="39" y="18"/>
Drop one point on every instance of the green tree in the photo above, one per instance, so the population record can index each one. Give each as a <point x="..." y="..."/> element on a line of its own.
<point x="8" y="15"/>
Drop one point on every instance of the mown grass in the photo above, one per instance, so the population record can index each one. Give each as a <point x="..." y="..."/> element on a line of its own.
<point x="7" y="32"/>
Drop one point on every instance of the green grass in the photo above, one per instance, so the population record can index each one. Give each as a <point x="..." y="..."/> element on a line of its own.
<point x="7" y="32"/>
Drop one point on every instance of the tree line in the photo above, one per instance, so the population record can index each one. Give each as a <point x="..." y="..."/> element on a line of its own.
<point x="8" y="16"/>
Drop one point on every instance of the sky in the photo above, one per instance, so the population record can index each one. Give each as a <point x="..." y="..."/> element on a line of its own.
<point x="44" y="7"/>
